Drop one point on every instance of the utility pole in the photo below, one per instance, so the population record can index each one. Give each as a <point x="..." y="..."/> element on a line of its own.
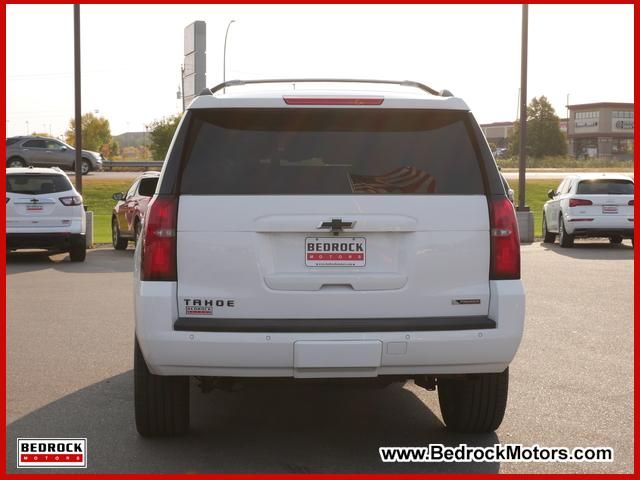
<point x="523" y="109"/>
<point x="182" y="86"/>
<point x="523" y="213"/>
<point x="78" y="96"/>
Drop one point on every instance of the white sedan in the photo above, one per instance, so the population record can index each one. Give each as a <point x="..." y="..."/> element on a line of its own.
<point x="589" y="205"/>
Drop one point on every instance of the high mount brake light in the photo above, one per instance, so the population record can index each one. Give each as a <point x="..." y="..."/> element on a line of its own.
<point x="159" y="240"/>
<point x="333" y="100"/>
<point x="505" y="240"/>
<point x="578" y="202"/>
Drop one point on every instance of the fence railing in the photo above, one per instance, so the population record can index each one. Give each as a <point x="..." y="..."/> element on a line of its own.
<point x="124" y="164"/>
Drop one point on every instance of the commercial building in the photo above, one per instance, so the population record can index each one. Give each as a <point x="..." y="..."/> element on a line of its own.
<point x="601" y="130"/>
<point x="498" y="133"/>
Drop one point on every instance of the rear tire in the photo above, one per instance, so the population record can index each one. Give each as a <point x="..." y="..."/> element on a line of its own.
<point x="566" y="240"/>
<point x="85" y="166"/>
<point x="615" y="240"/>
<point x="78" y="251"/>
<point x="161" y="402"/>
<point x="16" y="162"/>
<point x="118" y="242"/>
<point x="548" y="236"/>
<point x="475" y="403"/>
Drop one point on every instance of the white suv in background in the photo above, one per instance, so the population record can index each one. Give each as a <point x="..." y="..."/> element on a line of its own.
<point x="589" y="205"/>
<point x="328" y="229"/>
<point x="44" y="211"/>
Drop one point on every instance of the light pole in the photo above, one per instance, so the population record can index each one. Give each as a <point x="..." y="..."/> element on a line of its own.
<point x="224" y="54"/>
<point x="78" y="96"/>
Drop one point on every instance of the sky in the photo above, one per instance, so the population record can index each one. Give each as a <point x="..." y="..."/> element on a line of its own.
<point x="131" y="54"/>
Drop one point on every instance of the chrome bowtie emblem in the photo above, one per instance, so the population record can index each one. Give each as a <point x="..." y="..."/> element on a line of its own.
<point x="336" y="225"/>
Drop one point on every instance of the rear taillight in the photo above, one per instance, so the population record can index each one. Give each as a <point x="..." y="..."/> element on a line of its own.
<point x="71" y="201"/>
<point x="577" y="202"/>
<point x="159" y="240"/>
<point x="333" y="100"/>
<point x="630" y="202"/>
<point x="505" y="240"/>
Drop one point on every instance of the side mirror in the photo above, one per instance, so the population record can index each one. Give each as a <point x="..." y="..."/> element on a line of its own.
<point x="63" y="148"/>
<point x="511" y="196"/>
<point x="551" y="193"/>
<point x="117" y="196"/>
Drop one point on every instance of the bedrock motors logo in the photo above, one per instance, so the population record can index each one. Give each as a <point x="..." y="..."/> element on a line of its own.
<point x="52" y="453"/>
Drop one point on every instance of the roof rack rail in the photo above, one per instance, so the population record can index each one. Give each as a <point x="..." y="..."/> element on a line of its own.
<point x="404" y="83"/>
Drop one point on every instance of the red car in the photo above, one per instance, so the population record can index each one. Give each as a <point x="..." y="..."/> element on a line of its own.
<point x="129" y="212"/>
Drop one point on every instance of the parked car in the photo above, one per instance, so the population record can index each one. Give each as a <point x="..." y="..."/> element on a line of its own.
<point x="48" y="152"/>
<point x="323" y="230"/>
<point x="589" y="205"/>
<point x="44" y="211"/>
<point x="501" y="152"/>
<point x="130" y="210"/>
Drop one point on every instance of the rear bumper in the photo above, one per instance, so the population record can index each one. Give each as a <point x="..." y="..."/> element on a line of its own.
<point x="603" y="232"/>
<point x="600" y="225"/>
<point x="328" y="325"/>
<point x="317" y="354"/>
<point x="60" y="241"/>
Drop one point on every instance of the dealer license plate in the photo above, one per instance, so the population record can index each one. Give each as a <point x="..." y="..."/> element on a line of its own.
<point x="335" y="251"/>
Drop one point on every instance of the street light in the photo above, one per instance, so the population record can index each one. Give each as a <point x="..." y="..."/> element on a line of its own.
<point x="224" y="54"/>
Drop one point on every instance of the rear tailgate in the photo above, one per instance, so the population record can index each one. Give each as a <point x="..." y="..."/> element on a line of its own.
<point x="33" y="201"/>
<point x="261" y="191"/>
<point x="608" y="198"/>
<point x="251" y="250"/>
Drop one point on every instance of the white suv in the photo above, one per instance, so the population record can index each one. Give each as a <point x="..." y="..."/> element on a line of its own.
<point x="328" y="229"/>
<point x="44" y="211"/>
<point x="589" y="205"/>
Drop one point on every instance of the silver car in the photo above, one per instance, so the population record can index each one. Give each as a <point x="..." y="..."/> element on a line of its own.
<point x="48" y="152"/>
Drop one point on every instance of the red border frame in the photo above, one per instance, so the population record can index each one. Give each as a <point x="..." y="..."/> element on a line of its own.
<point x="3" y="350"/>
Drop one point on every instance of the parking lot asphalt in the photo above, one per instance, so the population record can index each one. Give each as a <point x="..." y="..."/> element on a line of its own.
<point x="69" y="374"/>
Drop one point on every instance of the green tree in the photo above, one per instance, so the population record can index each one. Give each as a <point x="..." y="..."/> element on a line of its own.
<point x="161" y="133"/>
<point x="95" y="132"/>
<point x="544" y="137"/>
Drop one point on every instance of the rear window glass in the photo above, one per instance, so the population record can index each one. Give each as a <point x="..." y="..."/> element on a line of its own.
<point x="11" y="141"/>
<point x="330" y="151"/>
<point x="30" y="184"/>
<point x="605" y="187"/>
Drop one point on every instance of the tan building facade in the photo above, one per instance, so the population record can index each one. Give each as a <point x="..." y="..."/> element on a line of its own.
<point x="498" y="133"/>
<point x="601" y="130"/>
